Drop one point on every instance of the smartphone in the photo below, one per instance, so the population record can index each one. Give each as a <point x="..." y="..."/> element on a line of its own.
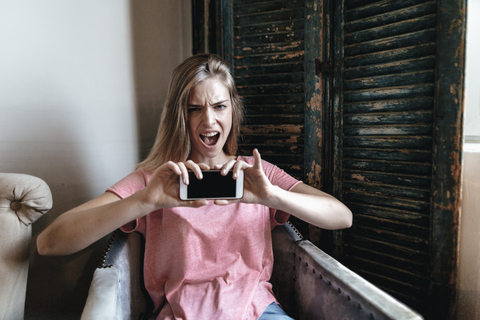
<point x="212" y="186"/>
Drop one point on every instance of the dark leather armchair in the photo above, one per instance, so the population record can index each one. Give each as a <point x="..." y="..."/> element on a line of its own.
<point x="307" y="282"/>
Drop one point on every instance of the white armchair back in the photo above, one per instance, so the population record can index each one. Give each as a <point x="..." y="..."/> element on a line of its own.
<point x="23" y="199"/>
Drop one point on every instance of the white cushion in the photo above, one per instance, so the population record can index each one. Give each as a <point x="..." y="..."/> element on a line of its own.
<point x="102" y="297"/>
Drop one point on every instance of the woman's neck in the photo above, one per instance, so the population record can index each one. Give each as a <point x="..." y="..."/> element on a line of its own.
<point x="211" y="162"/>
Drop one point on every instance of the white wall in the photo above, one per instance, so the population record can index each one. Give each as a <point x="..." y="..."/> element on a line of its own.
<point x="468" y="307"/>
<point x="468" y="280"/>
<point x="472" y="84"/>
<point x="82" y="83"/>
<point x="162" y="38"/>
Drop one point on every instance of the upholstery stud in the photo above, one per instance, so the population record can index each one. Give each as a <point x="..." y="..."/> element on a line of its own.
<point x="15" y="205"/>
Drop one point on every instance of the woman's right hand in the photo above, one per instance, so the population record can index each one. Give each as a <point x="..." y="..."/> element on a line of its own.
<point x="162" y="190"/>
<point x="81" y="226"/>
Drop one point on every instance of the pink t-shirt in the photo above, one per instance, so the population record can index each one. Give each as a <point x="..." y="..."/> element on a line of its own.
<point x="212" y="262"/>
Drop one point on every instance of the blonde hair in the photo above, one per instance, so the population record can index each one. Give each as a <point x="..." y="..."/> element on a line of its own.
<point x="172" y="141"/>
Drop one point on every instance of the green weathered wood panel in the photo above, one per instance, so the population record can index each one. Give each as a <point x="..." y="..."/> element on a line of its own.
<point x="386" y="98"/>
<point x="316" y="94"/>
<point x="449" y="96"/>
<point x="413" y="181"/>
<point x="273" y="16"/>
<point x="393" y="15"/>
<point x="395" y="119"/>
<point x="369" y="8"/>
<point x="269" y="6"/>
<point x="399" y="167"/>
<point x="389" y="130"/>
<point x="398" y="102"/>
<point x="379" y="80"/>
<point x="392" y="43"/>
<point x="386" y="200"/>
<point x="271" y="89"/>
<point x="268" y="56"/>
<point x="387" y="68"/>
<point x="270" y="79"/>
<point x="401" y="92"/>
<point x="394" y="55"/>
<point x="421" y="116"/>
<point x="388" y="142"/>
<point x="388" y="31"/>
<point x="408" y="103"/>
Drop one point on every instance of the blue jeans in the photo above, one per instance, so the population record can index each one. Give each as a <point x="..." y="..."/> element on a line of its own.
<point x="274" y="312"/>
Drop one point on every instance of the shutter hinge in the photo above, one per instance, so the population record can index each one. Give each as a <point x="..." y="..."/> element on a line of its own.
<point x="323" y="67"/>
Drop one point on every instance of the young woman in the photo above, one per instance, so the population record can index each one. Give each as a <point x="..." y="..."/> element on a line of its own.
<point x="203" y="259"/>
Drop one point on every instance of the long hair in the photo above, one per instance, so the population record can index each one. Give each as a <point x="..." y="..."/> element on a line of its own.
<point x="173" y="142"/>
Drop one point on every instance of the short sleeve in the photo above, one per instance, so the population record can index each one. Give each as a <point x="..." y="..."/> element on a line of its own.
<point x="279" y="178"/>
<point x="285" y="181"/>
<point x="124" y="188"/>
<point x="135" y="181"/>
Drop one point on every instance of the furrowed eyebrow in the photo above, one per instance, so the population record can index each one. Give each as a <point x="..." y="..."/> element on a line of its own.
<point x="213" y="104"/>
<point x="219" y="102"/>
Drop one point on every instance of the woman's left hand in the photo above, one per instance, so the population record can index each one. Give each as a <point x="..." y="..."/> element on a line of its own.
<point x="257" y="187"/>
<point x="305" y="202"/>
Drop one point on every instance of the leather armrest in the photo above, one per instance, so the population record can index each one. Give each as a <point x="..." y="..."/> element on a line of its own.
<point x="328" y="289"/>
<point x="313" y="285"/>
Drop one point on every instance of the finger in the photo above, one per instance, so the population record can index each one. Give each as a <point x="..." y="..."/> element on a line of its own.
<point x="184" y="171"/>
<point x="170" y="165"/>
<point x="224" y="202"/>
<point x="197" y="170"/>
<point x="239" y="165"/>
<point x="227" y="167"/>
<point x="204" y="166"/>
<point x="194" y="203"/>
<point x="218" y="166"/>
<point x="258" y="159"/>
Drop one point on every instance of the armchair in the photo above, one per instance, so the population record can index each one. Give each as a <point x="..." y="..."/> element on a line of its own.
<point x="307" y="282"/>
<point x="23" y="199"/>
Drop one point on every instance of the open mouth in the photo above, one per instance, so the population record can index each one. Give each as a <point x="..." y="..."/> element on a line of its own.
<point x="211" y="138"/>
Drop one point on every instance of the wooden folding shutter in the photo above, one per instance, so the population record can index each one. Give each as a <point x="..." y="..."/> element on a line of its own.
<point x="267" y="57"/>
<point x="274" y="69"/>
<point x="397" y="95"/>
<point x="392" y="167"/>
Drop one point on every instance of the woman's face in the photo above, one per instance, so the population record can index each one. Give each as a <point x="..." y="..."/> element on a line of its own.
<point x="209" y="121"/>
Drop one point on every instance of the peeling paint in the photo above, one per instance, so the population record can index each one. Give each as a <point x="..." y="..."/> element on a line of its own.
<point x="296" y="54"/>
<point x="453" y="88"/>
<point x="358" y="177"/>
<point x="314" y="175"/>
<point x="456" y="171"/>
<point x="316" y="101"/>
<point x="319" y="132"/>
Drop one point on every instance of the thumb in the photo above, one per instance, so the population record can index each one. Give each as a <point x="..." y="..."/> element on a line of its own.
<point x="257" y="159"/>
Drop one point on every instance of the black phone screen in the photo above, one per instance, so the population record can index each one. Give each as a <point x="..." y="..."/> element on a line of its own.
<point x="213" y="185"/>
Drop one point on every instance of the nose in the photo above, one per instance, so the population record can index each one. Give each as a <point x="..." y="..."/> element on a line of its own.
<point x="209" y="116"/>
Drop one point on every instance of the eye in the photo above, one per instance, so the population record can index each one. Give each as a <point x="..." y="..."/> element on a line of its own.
<point x="193" y="109"/>
<point x="221" y="106"/>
